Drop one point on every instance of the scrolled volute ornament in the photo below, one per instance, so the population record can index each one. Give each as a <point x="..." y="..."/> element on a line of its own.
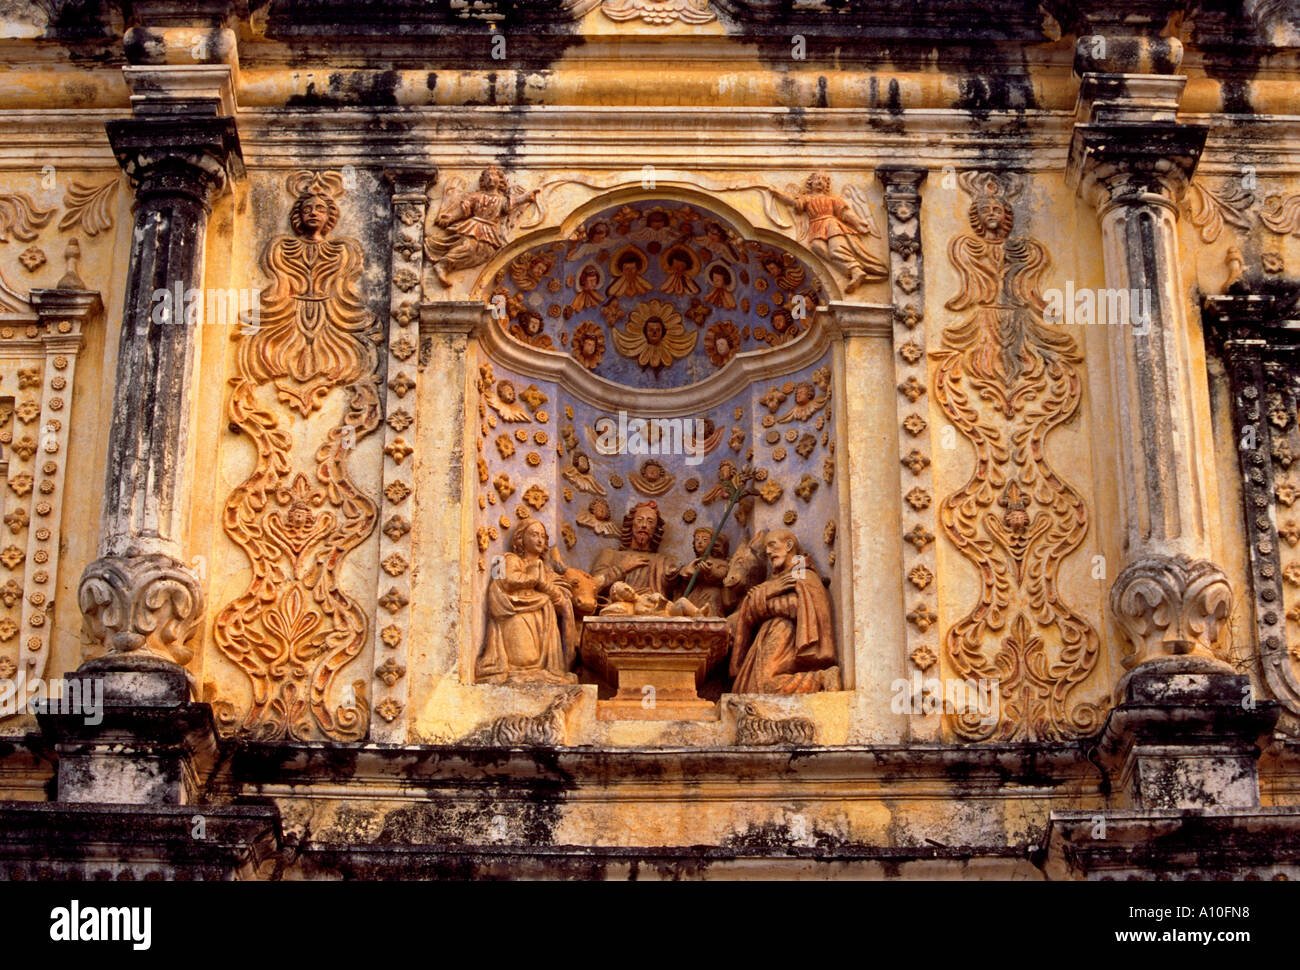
<point x="142" y="604"/>
<point x="1171" y="606"/>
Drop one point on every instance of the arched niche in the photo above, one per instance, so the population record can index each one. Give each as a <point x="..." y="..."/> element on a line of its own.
<point x="699" y="345"/>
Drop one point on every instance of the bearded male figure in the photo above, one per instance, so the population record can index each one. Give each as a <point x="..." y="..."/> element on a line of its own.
<point x="637" y="561"/>
<point x="783" y="641"/>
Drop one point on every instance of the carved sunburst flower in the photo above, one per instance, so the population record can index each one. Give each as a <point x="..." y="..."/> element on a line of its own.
<point x="654" y="336"/>
<point x="588" y="344"/>
<point x="721" y="341"/>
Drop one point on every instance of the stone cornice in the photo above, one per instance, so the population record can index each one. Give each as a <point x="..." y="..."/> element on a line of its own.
<point x="177" y="153"/>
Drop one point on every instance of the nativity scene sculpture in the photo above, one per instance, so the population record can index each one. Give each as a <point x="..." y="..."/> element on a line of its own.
<point x="642" y="593"/>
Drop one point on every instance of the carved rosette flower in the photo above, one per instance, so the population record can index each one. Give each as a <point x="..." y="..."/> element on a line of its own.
<point x="1170" y="606"/>
<point x="142" y="604"/>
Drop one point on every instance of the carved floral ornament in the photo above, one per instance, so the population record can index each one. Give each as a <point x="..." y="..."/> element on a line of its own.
<point x="1005" y="379"/>
<point x="294" y="631"/>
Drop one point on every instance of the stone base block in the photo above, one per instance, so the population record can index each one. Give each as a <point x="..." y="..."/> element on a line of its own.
<point x="1185" y="735"/>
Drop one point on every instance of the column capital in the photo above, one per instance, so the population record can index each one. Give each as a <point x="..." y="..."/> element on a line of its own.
<point x="412" y="181"/>
<point x="1134" y="163"/>
<point x="178" y="155"/>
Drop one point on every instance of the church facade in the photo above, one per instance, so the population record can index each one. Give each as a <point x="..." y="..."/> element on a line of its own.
<point x="649" y="439"/>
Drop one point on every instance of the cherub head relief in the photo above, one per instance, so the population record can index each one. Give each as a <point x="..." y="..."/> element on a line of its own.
<point x="315" y="210"/>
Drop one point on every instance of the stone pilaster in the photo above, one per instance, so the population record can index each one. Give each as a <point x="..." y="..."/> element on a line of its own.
<point x="445" y="333"/>
<point x="410" y="203"/>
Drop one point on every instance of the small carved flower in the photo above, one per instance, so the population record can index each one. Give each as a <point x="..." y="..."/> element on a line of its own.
<point x="533" y="397"/>
<point x="914" y="424"/>
<point x="406" y="279"/>
<point x="393" y="600"/>
<point x="911" y="352"/>
<point x="1292" y="573"/>
<point x="699" y="312"/>
<point x="915" y="462"/>
<point x="389" y="709"/>
<point x="806" y="445"/>
<point x="778" y="453"/>
<point x="398" y="450"/>
<point x="924" y="657"/>
<point x="909" y="316"/>
<point x="8" y="629"/>
<point x="773" y="399"/>
<point x="402" y="348"/>
<point x="1289" y="531"/>
<point x="918" y="498"/>
<point x="25" y="447"/>
<point x="401" y="384"/>
<point x="397" y="492"/>
<point x="11" y="592"/>
<point x="790" y="517"/>
<point x="828" y="469"/>
<point x="828" y="533"/>
<point x="29" y="377"/>
<point x="33" y="258"/>
<point x="396" y="527"/>
<point x="533" y="459"/>
<point x="22" y="484"/>
<point x="772" y="491"/>
<point x="504" y="521"/>
<point x="922" y="617"/>
<point x="908" y="281"/>
<point x="1285" y="491"/>
<point x="536" y="496"/>
<point x="17" y="520"/>
<point x="920" y="577"/>
<point x="919" y="537"/>
<point x="737" y="439"/>
<point x="400" y="420"/>
<point x="912" y="389"/>
<point x="521" y="435"/>
<point x="792" y="435"/>
<point x="568" y="535"/>
<point x="503" y="485"/>
<point x="406" y="314"/>
<point x="691" y="484"/>
<point x="1282" y="453"/>
<point x="505" y="446"/>
<point x="390" y="672"/>
<point x="12" y="556"/>
<point x="7" y="668"/>
<point x="616" y="481"/>
<point x="806" y="488"/>
<point x="395" y="564"/>
<point x="688" y="516"/>
<point x="1272" y="262"/>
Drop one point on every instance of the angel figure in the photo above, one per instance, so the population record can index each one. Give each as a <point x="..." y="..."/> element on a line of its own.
<point x="806" y="403"/>
<point x="469" y="228"/>
<point x="728" y="477"/>
<point x="529" y="269"/>
<point x="652" y="478"/>
<point x="679" y="265"/>
<point x="503" y="401"/>
<point x="835" y="229"/>
<point x="596" y="517"/>
<point x="589" y="278"/>
<point x="627" y="268"/>
<point x="784" y="270"/>
<point x="578" y="474"/>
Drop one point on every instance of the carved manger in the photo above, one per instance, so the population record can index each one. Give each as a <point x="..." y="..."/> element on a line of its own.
<point x="669" y="655"/>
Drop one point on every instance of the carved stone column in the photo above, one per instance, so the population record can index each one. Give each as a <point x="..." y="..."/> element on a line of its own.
<point x="1185" y="728"/>
<point x="1170" y="598"/>
<point x="140" y="597"/>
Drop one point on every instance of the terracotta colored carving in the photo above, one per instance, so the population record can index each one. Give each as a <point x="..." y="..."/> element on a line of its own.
<point x="531" y="630"/>
<point x="637" y="560"/>
<point x="834" y="228"/>
<point x="470" y="227"/>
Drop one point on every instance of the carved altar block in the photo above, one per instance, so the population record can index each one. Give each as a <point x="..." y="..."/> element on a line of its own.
<point x="670" y="654"/>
